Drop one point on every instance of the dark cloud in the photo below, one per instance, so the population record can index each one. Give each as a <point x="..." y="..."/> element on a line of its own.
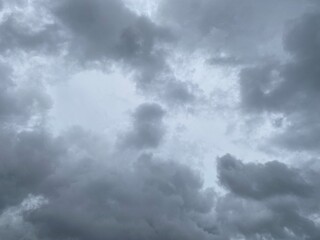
<point x="26" y="32"/>
<point x="180" y="93"/>
<point x="158" y="199"/>
<point x="18" y="103"/>
<point x="28" y="153"/>
<point x="91" y="191"/>
<point x="292" y="88"/>
<point x="236" y="30"/>
<point x="87" y="199"/>
<point x="267" y="201"/>
<point x="108" y="30"/>
<point x="101" y="31"/>
<point x="152" y="200"/>
<point x="148" y="128"/>
<point x="20" y="37"/>
<point x="261" y="181"/>
<point x="279" y="219"/>
<point x="26" y="160"/>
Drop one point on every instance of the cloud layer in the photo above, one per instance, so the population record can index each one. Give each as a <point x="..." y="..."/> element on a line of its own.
<point x="75" y="184"/>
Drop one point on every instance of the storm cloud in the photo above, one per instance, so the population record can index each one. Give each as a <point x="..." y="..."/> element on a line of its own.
<point x="270" y="200"/>
<point x="291" y="88"/>
<point x="148" y="129"/>
<point x="109" y="125"/>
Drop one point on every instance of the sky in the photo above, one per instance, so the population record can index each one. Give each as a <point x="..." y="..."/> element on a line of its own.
<point x="159" y="119"/>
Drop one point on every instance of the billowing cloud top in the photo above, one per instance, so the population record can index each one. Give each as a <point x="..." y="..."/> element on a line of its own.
<point x="127" y="119"/>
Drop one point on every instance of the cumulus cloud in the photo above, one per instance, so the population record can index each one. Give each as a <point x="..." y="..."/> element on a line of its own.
<point x="108" y="30"/>
<point x="268" y="201"/>
<point x="19" y="102"/>
<point x="26" y="161"/>
<point x="26" y="26"/>
<point x="79" y="185"/>
<point x="228" y="30"/>
<point x="291" y="88"/>
<point x="98" y="31"/>
<point x="151" y="200"/>
<point x="148" y="128"/>
<point x="261" y="181"/>
<point x="85" y="198"/>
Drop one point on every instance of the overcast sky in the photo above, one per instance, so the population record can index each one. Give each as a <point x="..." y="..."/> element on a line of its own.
<point x="159" y="120"/>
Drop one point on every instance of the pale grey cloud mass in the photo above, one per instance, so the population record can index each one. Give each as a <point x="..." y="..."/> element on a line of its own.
<point x="131" y="180"/>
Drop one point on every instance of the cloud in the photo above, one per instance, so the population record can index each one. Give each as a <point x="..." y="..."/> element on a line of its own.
<point x="153" y="200"/>
<point x="101" y="33"/>
<point x="26" y="161"/>
<point x="19" y="102"/>
<point x="17" y="36"/>
<point x="107" y="29"/>
<point x="148" y="128"/>
<point x="76" y="185"/>
<point x="270" y="200"/>
<point x="291" y="88"/>
<point x="89" y="195"/>
<point x="12" y="224"/>
<point x="26" y="27"/>
<point x="260" y="181"/>
<point x="236" y="30"/>
<point x="86" y="198"/>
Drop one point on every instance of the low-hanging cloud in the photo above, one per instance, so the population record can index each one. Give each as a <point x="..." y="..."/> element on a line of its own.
<point x="148" y="128"/>
<point x="73" y="184"/>
<point x="289" y="89"/>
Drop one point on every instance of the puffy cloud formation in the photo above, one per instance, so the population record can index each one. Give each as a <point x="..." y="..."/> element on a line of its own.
<point x="291" y="88"/>
<point x="233" y="33"/>
<point x="132" y="180"/>
<point x="148" y="129"/>
<point x="259" y="181"/>
<point x="151" y="200"/>
<point x="19" y="102"/>
<point x="268" y="201"/>
<point x="107" y="29"/>
<point x="56" y="187"/>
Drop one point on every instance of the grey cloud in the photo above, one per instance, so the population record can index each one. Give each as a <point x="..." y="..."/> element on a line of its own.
<point x="148" y="128"/>
<point x="180" y="93"/>
<point x="95" y="193"/>
<point x="107" y="30"/>
<point x="17" y="36"/>
<point x="281" y="219"/>
<point x="237" y="30"/>
<point x="267" y="201"/>
<point x="154" y="200"/>
<point x="27" y="158"/>
<point x="98" y="26"/>
<point x="87" y="198"/>
<point x="290" y="89"/>
<point x="227" y="61"/>
<point x="20" y="32"/>
<point x="256" y="86"/>
<point x="261" y="181"/>
<point x="19" y="103"/>
<point x="101" y="31"/>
